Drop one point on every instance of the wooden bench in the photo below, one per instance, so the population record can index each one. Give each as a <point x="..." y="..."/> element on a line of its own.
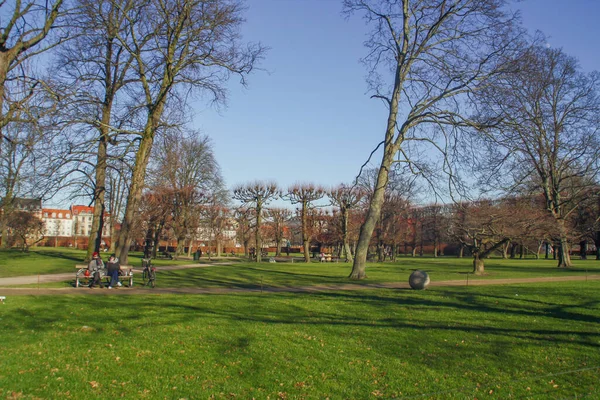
<point x="80" y="277"/>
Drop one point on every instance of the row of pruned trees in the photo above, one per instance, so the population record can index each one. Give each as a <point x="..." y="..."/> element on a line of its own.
<point x="506" y="225"/>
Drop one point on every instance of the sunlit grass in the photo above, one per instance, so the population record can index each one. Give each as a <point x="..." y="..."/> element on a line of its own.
<point x="245" y="274"/>
<point x="237" y="273"/>
<point x="523" y="341"/>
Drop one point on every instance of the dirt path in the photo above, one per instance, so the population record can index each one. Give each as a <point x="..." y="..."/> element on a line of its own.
<point x="24" y="280"/>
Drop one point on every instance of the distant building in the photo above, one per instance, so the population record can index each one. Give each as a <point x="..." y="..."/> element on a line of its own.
<point x="57" y="223"/>
<point x="82" y="221"/>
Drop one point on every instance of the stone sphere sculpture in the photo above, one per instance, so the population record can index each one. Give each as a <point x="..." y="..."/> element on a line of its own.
<point x="418" y="280"/>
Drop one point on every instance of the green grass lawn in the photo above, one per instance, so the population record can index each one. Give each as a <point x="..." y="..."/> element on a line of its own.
<point x="533" y="341"/>
<point x="237" y="273"/>
<point x="247" y="274"/>
<point x="50" y="260"/>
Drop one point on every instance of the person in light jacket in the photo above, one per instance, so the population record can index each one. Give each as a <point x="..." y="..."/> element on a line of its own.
<point x="95" y="267"/>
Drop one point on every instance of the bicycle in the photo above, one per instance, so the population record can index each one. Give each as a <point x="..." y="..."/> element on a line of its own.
<point x="148" y="273"/>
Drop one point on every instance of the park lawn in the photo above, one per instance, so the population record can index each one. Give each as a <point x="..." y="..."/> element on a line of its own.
<point x="50" y="260"/>
<point x="253" y="275"/>
<point x="523" y="341"/>
<point x="236" y="273"/>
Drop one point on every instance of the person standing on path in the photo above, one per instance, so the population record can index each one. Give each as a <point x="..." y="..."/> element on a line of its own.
<point x="95" y="267"/>
<point x="113" y="266"/>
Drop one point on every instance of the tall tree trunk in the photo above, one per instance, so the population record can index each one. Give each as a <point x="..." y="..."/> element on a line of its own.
<point x="348" y="251"/>
<point x="373" y="213"/>
<point x="539" y="249"/>
<point x="7" y="209"/>
<point x="391" y="147"/>
<point x="138" y="177"/>
<point x="597" y="244"/>
<point x="583" y="249"/>
<point x="95" y="238"/>
<point x="258" y="241"/>
<point x="513" y="250"/>
<point x="346" y="243"/>
<point x="5" y="59"/>
<point x="278" y="247"/>
<point x="521" y="251"/>
<point x="505" y="250"/>
<point x="564" y="259"/>
<point x="180" y="249"/>
<point x="478" y="264"/>
<point x="305" y="236"/>
<point x="380" y="252"/>
<point x="114" y="234"/>
<point x="246" y="245"/>
<point x="306" y="248"/>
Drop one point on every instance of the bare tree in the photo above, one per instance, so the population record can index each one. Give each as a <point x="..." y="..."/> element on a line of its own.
<point x="116" y="193"/>
<point x="345" y="198"/>
<point x="485" y="226"/>
<point x="155" y="216"/>
<point x="243" y="219"/>
<point x="178" y="46"/>
<point x="22" y="30"/>
<point x="279" y="217"/>
<point x="26" y="227"/>
<point x="95" y="66"/>
<point x="435" y="225"/>
<point x="30" y="161"/>
<point x="216" y="214"/>
<point x="184" y="165"/>
<point x="25" y="99"/>
<point x="256" y="195"/>
<point x="394" y="206"/>
<point x="548" y="141"/>
<point x="438" y="52"/>
<point x="305" y="195"/>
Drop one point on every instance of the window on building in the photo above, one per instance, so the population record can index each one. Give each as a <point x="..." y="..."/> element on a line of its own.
<point x="53" y="215"/>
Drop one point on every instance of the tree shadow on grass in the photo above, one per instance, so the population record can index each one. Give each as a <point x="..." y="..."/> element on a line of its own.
<point x="244" y="278"/>
<point x="60" y="255"/>
<point x="478" y="313"/>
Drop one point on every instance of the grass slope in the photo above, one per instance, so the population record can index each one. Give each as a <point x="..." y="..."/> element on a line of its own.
<point x="524" y="341"/>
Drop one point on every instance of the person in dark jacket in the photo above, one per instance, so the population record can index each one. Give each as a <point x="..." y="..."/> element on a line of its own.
<point x="113" y="266"/>
<point x="95" y="267"/>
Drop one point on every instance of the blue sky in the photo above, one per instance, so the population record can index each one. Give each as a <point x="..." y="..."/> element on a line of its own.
<point x="308" y="117"/>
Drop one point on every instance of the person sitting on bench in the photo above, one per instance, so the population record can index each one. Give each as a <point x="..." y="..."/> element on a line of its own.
<point x="95" y="267"/>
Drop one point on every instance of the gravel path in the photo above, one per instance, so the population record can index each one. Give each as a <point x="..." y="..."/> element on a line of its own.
<point x="33" y="279"/>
